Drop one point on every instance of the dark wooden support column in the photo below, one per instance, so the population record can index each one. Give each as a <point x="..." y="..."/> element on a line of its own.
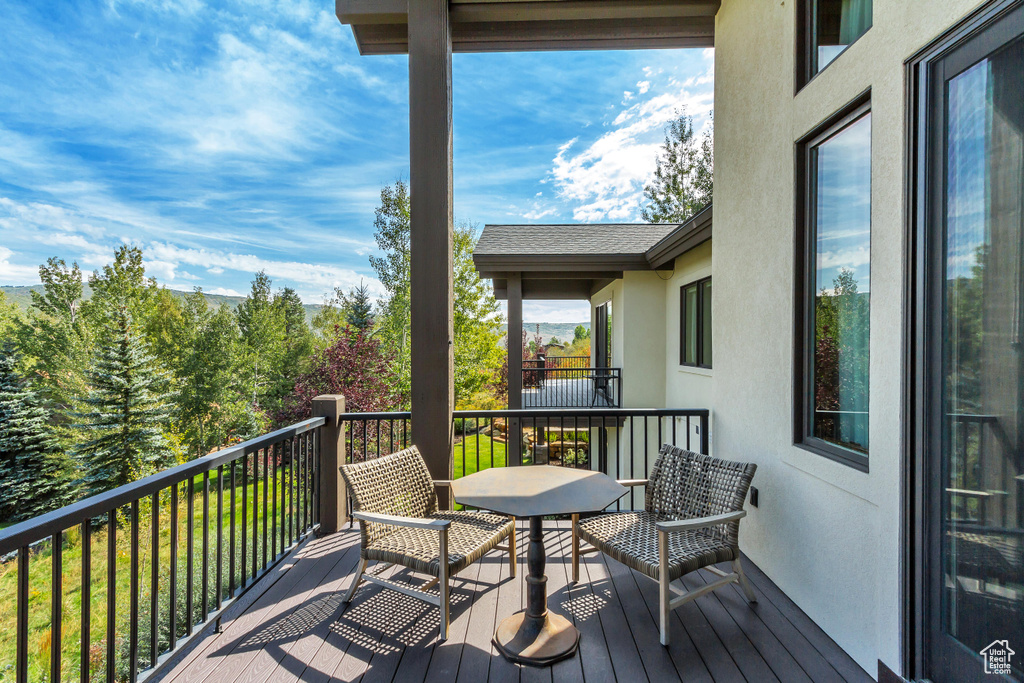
<point x="515" y="341"/>
<point x="515" y="365"/>
<point x="430" y="156"/>
<point x="333" y="501"/>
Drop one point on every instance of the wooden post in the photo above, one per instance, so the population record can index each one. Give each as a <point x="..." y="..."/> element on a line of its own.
<point x="333" y="496"/>
<point x="514" y="434"/>
<point x="430" y="157"/>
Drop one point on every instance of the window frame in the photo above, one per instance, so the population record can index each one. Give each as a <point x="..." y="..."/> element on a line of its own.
<point x="805" y="263"/>
<point x="699" y="355"/>
<point x="806" y="52"/>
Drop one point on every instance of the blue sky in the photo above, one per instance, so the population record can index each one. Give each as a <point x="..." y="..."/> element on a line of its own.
<point x="230" y="137"/>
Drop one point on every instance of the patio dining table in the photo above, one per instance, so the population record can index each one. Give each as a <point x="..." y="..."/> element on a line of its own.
<point x="535" y="636"/>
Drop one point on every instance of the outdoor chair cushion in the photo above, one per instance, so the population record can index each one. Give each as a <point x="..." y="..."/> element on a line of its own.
<point x="470" y="537"/>
<point x="632" y="539"/>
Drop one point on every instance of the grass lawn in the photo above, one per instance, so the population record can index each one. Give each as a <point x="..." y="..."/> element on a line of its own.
<point x="40" y="565"/>
<point x="468" y="457"/>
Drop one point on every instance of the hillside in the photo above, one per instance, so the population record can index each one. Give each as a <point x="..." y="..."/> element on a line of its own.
<point x="21" y="297"/>
<point x="564" y="331"/>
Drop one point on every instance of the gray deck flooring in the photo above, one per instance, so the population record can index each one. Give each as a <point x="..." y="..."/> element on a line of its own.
<point x="298" y="629"/>
<point x="566" y="393"/>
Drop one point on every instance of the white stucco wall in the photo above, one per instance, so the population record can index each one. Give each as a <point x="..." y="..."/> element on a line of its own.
<point x="827" y="534"/>
<point x="686" y="387"/>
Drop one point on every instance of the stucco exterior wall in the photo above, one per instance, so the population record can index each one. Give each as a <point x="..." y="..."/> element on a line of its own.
<point x="827" y="534"/>
<point x="686" y="387"/>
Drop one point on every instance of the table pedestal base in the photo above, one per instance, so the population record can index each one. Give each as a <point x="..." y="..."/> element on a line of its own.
<point x="537" y="642"/>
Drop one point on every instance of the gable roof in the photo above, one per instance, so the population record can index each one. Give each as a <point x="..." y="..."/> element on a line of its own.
<point x="571" y="261"/>
<point x="601" y="245"/>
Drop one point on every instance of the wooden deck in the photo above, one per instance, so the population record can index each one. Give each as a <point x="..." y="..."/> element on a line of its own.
<point x="298" y="628"/>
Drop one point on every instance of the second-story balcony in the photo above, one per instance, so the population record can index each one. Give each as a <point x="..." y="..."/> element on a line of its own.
<point x="570" y="382"/>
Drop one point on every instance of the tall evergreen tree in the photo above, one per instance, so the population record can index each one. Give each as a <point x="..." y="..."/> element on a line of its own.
<point x="682" y="183"/>
<point x="263" y="328"/>
<point x="127" y="410"/>
<point x="360" y="310"/>
<point x="36" y="476"/>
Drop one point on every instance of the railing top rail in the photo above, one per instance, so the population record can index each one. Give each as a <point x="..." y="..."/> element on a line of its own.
<point x="575" y="368"/>
<point x="542" y="413"/>
<point x="532" y="413"/>
<point x="37" y="528"/>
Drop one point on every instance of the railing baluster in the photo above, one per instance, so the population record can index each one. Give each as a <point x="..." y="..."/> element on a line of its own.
<point x="255" y="514"/>
<point x="275" y="511"/>
<point x="172" y="617"/>
<point x="56" y="595"/>
<point x="231" y="533"/>
<point x="190" y="525"/>
<point x="291" y="492"/>
<point x="266" y="464"/>
<point x="205" y="603"/>
<point x="84" y="641"/>
<point x="219" y="579"/>
<point x="133" y="610"/>
<point x="154" y="581"/>
<point x="21" y="675"/>
<point x="111" y="590"/>
<point x="243" y="560"/>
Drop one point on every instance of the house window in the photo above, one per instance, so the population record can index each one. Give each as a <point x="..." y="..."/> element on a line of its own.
<point x="833" y="284"/>
<point x="827" y="27"/>
<point x="695" y="324"/>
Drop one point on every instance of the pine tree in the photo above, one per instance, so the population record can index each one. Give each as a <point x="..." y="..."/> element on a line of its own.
<point x="360" y="310"/>
<point x="126" y="410"/>
<point x="36" y="476"/>
<point x="683" y="178"/>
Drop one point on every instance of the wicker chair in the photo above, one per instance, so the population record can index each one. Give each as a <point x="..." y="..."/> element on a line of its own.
<point x="691" y="519"/>
<point x="395" y="501"/>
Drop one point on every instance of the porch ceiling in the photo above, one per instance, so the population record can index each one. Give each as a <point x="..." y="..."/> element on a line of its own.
<point x="381" y="26"/>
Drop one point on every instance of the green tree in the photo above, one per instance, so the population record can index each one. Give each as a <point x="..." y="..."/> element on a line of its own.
<point x="210" y="407"/>
<point x="682" y="183"/>
<point x="580" y="333"/>
<point x="56" y="338"/>
<point x="263" y="328"/>
<point x="477" y="321"/>
<point x="123" y="283"/>
<point x="126" y="413"/>
<point x="391" y="231"/>
<point x="9" y="317"/>
<point x="360" y="310"/>
<point x="476" y="318"/>
<point x="36" y="474"/>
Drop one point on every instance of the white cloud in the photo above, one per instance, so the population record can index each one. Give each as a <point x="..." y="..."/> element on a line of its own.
<point x="16" y="274"/>
<point x="317" y="278"/>
<point x="224" y="291"/>
<point x="604" y="179"/>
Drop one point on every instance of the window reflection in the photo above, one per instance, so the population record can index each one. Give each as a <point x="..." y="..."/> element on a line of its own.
<point x="983" y="374"/>
<point x="841" y="174"/>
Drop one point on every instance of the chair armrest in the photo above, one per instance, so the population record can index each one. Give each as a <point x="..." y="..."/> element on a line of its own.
<point x="631" y="482"/>
<point x="700" y="522"/>
<point x="394" y="520"/>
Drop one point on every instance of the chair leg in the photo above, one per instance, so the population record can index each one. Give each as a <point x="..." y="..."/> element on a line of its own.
<point x="512" y="550"/>
<point x="443" y="584"/>
<point x="744" y="584"/>
<point x="664" y="590"/>
<point x="356" y="581"/>
<point x="575" y="550"/>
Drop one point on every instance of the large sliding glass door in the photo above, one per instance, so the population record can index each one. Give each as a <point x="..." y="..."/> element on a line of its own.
<point x="973" y="366"/>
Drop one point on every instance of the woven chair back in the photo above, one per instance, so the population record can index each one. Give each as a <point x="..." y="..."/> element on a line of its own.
<point x="686" y="485"/>
<point x="396" y="484"/>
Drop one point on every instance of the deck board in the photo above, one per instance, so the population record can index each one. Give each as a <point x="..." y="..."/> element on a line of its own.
<point x="298" y="629"/>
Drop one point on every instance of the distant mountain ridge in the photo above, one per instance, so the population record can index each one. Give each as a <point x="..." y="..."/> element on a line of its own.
<point x="563" y="331"/>
<point x="21" y="297"/>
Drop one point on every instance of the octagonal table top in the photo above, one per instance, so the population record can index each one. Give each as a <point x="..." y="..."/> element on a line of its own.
<point x="533" y="490"/>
